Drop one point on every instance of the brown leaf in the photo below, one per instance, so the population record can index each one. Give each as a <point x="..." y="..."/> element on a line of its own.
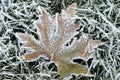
<point x="45" y="27"/>
<point x="54" y="34"/>
<point x="28" y="40"/>
<point x="92" y="44"/>
<point x="65" y="68"/>
<point x="71" y="9"/>
<point x="80" y="48"/>
<point x="66" y="28"/>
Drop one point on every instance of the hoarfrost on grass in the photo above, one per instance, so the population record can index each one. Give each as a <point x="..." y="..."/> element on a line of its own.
<point x="98" y="18"/>
<point x="18" y="15"/>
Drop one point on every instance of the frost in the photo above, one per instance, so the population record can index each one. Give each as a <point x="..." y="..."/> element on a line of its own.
<point x="101" y="20"/>
<point x="18" y="15"/>
<point x="98" y="18"/>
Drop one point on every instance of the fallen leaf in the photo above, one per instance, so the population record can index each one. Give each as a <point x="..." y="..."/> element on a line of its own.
<point x="53" y="35"/>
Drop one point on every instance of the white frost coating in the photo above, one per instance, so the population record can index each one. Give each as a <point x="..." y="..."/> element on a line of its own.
<point x="8" y="73"/>
<point x="8" y="16"/>
<point x="87" y="12"/>
<point x="56" y="23"/>
<point x="68" y="20"/>
<point x="38" y="33"/>
<point x="114" y="29"/>
<point x="11" y="15"/>
<point x="117" y="77"/>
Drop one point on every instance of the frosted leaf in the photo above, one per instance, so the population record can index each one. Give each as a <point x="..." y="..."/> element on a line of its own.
<point x="54" y="33"/>
<point x="80" y="48"/>
<point x="37" y="47"/>
<point x="45" y="26"/>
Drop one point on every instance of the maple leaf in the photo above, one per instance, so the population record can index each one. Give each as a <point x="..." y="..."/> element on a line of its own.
<point x="53" y="34"/>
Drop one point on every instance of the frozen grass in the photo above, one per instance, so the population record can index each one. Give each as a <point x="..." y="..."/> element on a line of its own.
<point x="19" y="15"/>
<point x="99" y="18"/>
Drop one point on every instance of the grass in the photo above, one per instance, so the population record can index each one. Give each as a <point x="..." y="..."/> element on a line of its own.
<point x="100" y="19"/>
